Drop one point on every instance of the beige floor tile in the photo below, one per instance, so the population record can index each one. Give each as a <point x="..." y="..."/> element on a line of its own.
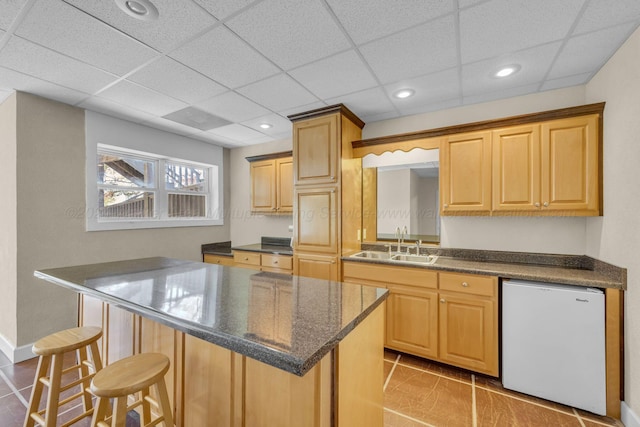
<point x="392" y="419"/>
<point x="429" y="398"/>
<point x="388" y="366"/>
<point x="497" y="409"/>
<point x="435" y="367"/>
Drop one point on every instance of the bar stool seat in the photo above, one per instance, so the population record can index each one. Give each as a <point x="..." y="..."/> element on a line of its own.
<point x="52" y="350"/>
<point x="129" y="376"/>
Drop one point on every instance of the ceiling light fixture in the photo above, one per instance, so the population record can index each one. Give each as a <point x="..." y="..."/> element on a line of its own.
<point x="143" y="10"/>
<point x="265" y="126"/>
<point x="507" y="71"/>
<point x="404" y="93"/>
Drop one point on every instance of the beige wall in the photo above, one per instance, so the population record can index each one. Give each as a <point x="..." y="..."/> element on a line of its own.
<point x="247" y="228"/>
<point x="615" y="237"/>
<point x="51" y="227"/>
<point x="8" y="212"/>
<point x="550" y="235"/>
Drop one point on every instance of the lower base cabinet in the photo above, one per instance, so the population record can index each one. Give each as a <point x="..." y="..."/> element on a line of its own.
<point x="316" y="266"/>
<point x="448" y="317"/>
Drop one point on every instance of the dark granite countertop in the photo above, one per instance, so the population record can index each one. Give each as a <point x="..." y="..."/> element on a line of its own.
<point x="270" y="245"/>
<point x="221" y="248"/>
<point x="218" y="304"/>
<point x="578" y="270"/>
<point x="270" y="249"/>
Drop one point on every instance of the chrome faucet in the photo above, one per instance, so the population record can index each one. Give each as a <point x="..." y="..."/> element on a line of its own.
<point x="418" y="243"/>
<point x="400" y="236"/>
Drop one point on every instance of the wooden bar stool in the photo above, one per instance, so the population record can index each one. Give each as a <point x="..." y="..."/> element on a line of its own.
<point x="52" y="350"/>
<point x="129" y="376"/>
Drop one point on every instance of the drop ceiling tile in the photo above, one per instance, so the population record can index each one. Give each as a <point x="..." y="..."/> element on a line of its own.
<point x="478" y="78"/>
<point x="301" y="109"/>
<point x="429" y="89"/>
<point x="223" y="57"/>
<point x="418" y="51"/>
<point x="500" y="94"/>
<point x="82" y="37"/>
<point x="278" y="92"/>
<point x="602" y="14"/>
<point x="176" y="80"/>
<point x="12" y="80"/>
<point x="141" y="98"/>
<point x="10" y="9"/>
<point x="366" y="20"/>
<point x="502" y="26"/>
<point x="378" y="117"/>
<point x="279" y="125"/>
<point x="576" y="80"/>
<point x="221" y="9"/>
<point x="232" y="107"/>
<point x="176" y="23"/>
<point x="429" y="107"/>
<point x="600" y="45"/>
<point x="462" y="4"/>
<point x="365" y="103"/>
<point x="215" y="139"/>
<point x="290" y="32"/>
<point x="257" y="141"/>
<point x="236" y="132"/>
<point x="32" y="59"/>
<point x="114" y="109"/>
<point x="169" y="126"/>
<point x="337" y="75"/>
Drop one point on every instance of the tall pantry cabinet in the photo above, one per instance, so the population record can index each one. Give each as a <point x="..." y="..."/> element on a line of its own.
<point x="327" y="190"/>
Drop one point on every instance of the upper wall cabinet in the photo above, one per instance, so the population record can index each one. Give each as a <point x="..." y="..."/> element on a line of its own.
<point x="549" y="168"/>
<point x="316" y="149"/>
<point x="465" y="173"/>
<point x="272" y="183"/>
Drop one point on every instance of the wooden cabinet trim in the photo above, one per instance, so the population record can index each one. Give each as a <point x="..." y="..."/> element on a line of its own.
<point x="323" y="111"/>
<point x="387" y="275"/>
<point x="270" y="156"/>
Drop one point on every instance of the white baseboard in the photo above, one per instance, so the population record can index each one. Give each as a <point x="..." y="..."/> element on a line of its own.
<point x="629" y="418"/>
<point x="15" y="354"/>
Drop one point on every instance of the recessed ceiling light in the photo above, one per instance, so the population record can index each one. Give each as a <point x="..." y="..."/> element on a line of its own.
<point x="507" y="71"/>
<point x="143" y="10"/>
<point x="266" y="125"/>
<point x="404" y="93"/>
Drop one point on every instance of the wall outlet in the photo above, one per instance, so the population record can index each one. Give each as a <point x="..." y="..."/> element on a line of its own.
<point x="291" y="228"/>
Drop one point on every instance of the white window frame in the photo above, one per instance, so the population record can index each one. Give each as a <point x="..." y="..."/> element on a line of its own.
<point x="160" y="218"/>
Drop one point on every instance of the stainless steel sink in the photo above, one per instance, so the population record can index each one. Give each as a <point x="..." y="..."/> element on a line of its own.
<point x="372" y="255"/>
<point x="416" y="259"/>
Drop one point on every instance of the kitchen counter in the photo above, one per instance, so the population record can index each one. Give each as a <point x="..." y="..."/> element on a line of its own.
<point x="270" y="245"/>
<point x="578" y="270"/>
<point x="215" y="303"/>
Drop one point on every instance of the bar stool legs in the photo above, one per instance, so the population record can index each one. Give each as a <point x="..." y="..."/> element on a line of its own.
<point x="50" y="371"/>
<point x="129" y="376"/>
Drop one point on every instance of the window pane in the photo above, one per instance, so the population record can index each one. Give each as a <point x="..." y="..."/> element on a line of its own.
<point x="187" y="205"/>
<point x="185" y="178"/>
<point x="125" y="171"/>
<point x="125" y="204"/>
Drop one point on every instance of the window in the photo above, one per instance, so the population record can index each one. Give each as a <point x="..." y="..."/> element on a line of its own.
<point x="142" y="190"/>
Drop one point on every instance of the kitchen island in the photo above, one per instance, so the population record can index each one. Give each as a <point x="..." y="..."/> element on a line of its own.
<point x="247" y="348"/>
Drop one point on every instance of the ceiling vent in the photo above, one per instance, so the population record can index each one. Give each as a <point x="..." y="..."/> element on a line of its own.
<point x="196" y="118"/>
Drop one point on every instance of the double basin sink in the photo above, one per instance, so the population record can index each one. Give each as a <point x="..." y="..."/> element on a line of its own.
<point x="397" y="257"/>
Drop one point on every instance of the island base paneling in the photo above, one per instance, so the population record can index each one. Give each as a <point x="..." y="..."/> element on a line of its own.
<point x="213" y="386"/>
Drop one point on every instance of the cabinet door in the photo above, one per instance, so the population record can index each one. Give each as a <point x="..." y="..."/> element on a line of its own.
<point x="465" y="173"/>
<point x="316" y="266"/>
<point x="120" y="334"/>
<point x="284" y="185"/>
<point x="516" y="168"/>
<point x="316" y="228"/>
<point x="412" y="319"/>
<point x="469" y="332"/>
<point x="263" y="186"/>
<point x="315" y="150"/>
<point x="570" y="178"/>
<point x="92" y="313"/>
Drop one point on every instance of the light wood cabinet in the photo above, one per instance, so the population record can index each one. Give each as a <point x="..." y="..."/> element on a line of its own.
<point x="271" y="321"/>
<point x="448" y="317"/>
<point x="247" y="259"/>
<point x="316" y="266"/>
<point x="316" y="150"/>
<point x="465" y="174"/>
<point x="218" y="259"/>
<point x="549" y="168"/>
<point x="271" y="184"/>
<point x="263" y="261"/>
<point x="316" y="219"/>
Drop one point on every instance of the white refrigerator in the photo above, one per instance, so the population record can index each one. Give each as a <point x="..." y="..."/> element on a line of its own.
<point x="553" y="343"/>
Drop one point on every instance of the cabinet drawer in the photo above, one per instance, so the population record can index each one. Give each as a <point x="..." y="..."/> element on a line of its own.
<point x="469" y="284"/>
<point x="390" y="274"/>
<point x="216" y="259"/>
<point x="250" y="258"/>
<point x="277" y="261"/>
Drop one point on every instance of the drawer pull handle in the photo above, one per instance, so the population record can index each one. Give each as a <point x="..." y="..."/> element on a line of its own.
<point x="246" y="258"/>
<point x="465" y="284"/>
<point x="537" y="205"/>
<point x="275" y="262"/>
<point x="443" y="300"/>
<point x="546" y="204"/>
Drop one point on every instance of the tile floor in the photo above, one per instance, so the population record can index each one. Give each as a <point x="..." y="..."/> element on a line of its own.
<point x="417" y="393"/>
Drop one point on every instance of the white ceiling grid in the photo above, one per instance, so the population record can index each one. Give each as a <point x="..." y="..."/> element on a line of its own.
<point x="257" y="61"/>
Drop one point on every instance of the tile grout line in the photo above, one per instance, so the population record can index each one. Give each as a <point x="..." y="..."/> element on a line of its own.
<point x="426" y="371"/>
<point x="393" y="368"/>
<point x="474" y="411"/>
<point x="408" y="417"/>
<point x="14" y="390"/>
<point x="579" y="417"/>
